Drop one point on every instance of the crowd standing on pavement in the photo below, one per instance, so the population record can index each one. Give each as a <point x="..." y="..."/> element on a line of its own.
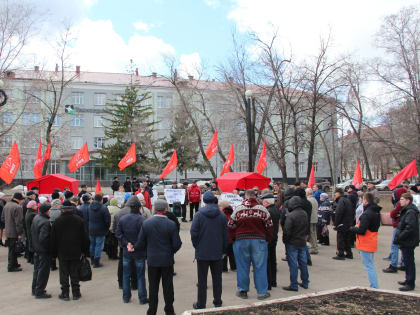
<point x="144" y="237"/>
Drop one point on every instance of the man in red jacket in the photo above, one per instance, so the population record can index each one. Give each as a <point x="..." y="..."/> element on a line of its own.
<point x="252" y="226"/>
<point x="194" y="197"/>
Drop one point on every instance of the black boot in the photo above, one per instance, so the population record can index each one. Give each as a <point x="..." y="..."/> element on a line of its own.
<point x="97" y="263"/>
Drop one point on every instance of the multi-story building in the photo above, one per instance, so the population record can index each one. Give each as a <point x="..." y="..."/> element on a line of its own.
<point x="31" y="92"/>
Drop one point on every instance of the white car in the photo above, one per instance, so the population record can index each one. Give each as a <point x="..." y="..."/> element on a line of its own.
<point x="383" y="185"/>
<point x="344" y="185"/>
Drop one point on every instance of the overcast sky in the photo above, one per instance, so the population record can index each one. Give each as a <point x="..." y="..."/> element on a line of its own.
<point x="109" y="33"/>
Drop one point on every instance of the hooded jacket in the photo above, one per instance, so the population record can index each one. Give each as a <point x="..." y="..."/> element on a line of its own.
<point x="41" y="234"/>
<point x="99" y="219"/>
<point x="209" y="233"/>
<point x="367" y="228"/>
<point x="295" y="229"/>
<point x="408" y="227"/>
<point x="113" y="208"/>
<point x="287" y="196"/>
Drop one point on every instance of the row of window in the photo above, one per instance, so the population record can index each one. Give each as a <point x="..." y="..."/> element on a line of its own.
<point x="76" y="142"/>
<point x="34" y="118"/>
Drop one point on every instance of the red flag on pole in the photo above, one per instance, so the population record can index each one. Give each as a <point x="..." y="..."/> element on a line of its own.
<point x="409" y="171"/>
<point x="212" y="147"/>
<point x="38" y="162"/>
<point x="229" y="161"/>
<point x="311" y="181"/>
<point x="173" y="162"/>
<point x="98" y="186"/>
<point x="262" y="162"/>
<point x="79" y="159"/>
<point x="129" y="158"/>
<point x="10" y="166"/>
<point x="47" y="154"/>
<point x="357" y="177"/>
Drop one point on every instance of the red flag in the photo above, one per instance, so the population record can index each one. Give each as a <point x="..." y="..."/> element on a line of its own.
<point x="47" y="154"/>
<point x="98" y="186"/>
<point x="212" y="147"/>
<point x="38" y="162"/>
<point x="262" y="162"/>
<point x="129" y="158"/>
<point x="173" y="162"/>
<point x="357" y="177"/>
<point x="409" y="171"/>
<point x="229" y="161"/>
<point x="10" y="166"/>
<point x="311" y="181"/>
<point x="80" y="158"/>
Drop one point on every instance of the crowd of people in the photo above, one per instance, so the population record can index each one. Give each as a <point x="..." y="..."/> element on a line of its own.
<point x="145" y="237"/>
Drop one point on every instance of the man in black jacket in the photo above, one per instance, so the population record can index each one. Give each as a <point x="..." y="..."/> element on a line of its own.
<point x="407" y="237"/>
<point x="295" y="232"/>
<point x="115" y="185"/>
<point x="209" y="236"/>
<point x="160" y="237"/>
<point x="128" y="187"/>
<point x="344" y="218"/>
<point x="268" y="202"/>
<point x="69" y="242"/>
<point x="41" y="235"/>
<point x="99" y="223"/>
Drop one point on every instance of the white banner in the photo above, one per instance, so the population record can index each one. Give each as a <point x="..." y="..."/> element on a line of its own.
<point x="173" y="195"/>
<point x="234" y="200"/>
<point x="155" y="196"/>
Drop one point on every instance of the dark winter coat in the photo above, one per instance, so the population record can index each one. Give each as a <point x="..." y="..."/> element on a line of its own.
<point x="132" y="202"/>
<point x="275" y="217"/>
<point x="84" y="208"/>
<point x="41" y="234"/>
<point x="295" y="229"/>
<point x="209" y="233"/>
<point x="344" y="214"/>
<point x="128" y="230"/>
<point x="287" y="196"/>
<point x="160" y="238"/>
<point x="115" y="185"/>
<point x="324" y="212"/>
<point x="69" y="239"/>
<point x="408" y="228"/>
<point x="12" y="216"/>
<point x="173" y="218"/>
<point x="354" y="198"/>
<point x="99" y="219"/>
<point x="128" y="186"/>
<point x="29" y="217"/>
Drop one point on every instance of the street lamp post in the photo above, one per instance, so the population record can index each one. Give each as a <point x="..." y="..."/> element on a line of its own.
<point x="248" y="96"/>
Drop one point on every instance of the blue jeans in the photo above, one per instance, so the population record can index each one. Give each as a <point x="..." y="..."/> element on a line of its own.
<point x="96" y="246"/>
<point x="141" y="279"/>
<point x="394" y="251"/>
<point x="255" y="251"/>
<point x="297" y="259"/>
<point x="367" y="259"/>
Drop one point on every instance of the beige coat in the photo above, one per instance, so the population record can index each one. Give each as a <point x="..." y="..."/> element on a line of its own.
<point x="12" y="216"/>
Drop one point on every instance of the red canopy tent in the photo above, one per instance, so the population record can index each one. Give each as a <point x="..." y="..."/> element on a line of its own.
<point x="243" y="180"/>
<point x="48" y="183"/>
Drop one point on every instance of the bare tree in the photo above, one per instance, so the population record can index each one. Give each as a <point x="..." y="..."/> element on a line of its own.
<point x="399" y="38"/>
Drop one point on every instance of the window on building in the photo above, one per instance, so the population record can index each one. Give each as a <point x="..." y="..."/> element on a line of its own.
<point x="77" y="98"/>
<point x="8" y="117"/>
<point x="54" y="167"/>
<point x="56" y="120"/>
<point x="98" y="142"/>
<point x="6" y="141"/>
<point x="76" y="143"/>
<point x="98" y="121"/>
<point x="30" y="118"/>
<point x="301" y="167"/>
<point x="161" y="101"/>
<point x="32" y="97"/>
<point x="316" y="166"/>
<point x="100" y="98"/>
<point x="240" y="125"/>
<point x="77" y="120"/>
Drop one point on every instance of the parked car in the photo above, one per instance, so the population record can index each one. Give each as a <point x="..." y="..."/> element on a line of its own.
<point x="326" y="185"/>
<point x="383" y="185"/>
<point x="344" y="185"/>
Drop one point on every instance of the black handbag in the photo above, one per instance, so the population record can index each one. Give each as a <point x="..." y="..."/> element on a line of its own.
<point x="85" y="271"/>
<point x="20" y="247"/>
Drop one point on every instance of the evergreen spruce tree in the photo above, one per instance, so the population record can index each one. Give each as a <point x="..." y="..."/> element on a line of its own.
<point x="182" y="138"/>
<point x="129" y="119"/>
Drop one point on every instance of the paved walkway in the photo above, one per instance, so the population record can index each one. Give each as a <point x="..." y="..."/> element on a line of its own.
<point x="102" y="296"/>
